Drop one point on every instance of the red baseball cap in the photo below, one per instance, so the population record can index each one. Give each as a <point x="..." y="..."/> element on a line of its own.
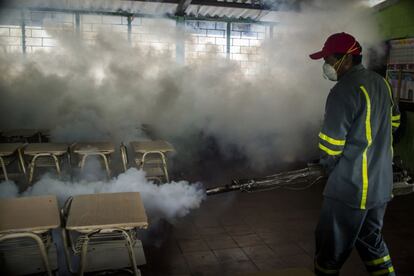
<point x="339" y="43"/>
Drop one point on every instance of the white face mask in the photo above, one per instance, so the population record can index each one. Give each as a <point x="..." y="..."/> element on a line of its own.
<point x="329" y="72"/>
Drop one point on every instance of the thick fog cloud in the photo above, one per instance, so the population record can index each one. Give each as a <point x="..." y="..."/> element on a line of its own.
<point x="168" y="201"/>
<point x="105" y="91"/>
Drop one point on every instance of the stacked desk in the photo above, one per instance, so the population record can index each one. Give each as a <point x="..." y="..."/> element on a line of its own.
<point x="152" y="154"/>
<point x="7" y="150"/>
<point x="24" y="135"/>
<point x="50" y="153"/>
<point x="100" y="149"/>
<point x="23" y="220"/>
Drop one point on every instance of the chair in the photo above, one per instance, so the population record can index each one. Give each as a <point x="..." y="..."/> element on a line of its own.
<point x="152" y="162"/>
<point x="26" y="242"/>
<point x="27" y="253"/>
<point x="102" y="249"/>
<point x="9" y="154"/>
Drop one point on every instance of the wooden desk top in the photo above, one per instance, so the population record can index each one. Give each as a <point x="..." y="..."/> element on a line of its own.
<point x="40" y="213"/>
<point x="284" y="272"/>
<point x="94" y="147"/>
<point x="25" y="132"/>
<point x="9" y="148"/>
<point x="157" y="145"/>
<point x="106" y="211"/>
<point x="53" y="148"/>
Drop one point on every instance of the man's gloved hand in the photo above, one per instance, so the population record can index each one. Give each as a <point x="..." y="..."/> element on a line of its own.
<point x="316" y="169"/>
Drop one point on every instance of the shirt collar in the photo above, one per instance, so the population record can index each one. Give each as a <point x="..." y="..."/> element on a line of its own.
<point x="352" y="70"/>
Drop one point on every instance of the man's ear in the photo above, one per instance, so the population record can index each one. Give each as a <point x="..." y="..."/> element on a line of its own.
<point x="348" y="60"/>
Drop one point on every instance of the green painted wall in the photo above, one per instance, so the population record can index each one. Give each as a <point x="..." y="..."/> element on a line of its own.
<point x="405" y="146"/>
<point x="397" y="21"/>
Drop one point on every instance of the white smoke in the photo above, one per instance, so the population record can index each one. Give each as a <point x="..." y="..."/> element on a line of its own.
<point x="169" y="201"/>
<point x="106" y="90"/>
<point x="8" y="189"/>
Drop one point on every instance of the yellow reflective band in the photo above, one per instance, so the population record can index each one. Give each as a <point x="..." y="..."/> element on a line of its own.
<point x="379" y="260"/>
<point x="395" y="124"/>
<point x="396" y="117"/>
<point x="391" y="138"/>
<point x="389" y="91"/>
<point x="364" y="155"/>
<point x="324" y="270"/>
<point x="392" y="117"/>
<point x="329" y="151"/>
<point x="383" y="271"/>
<point x="331" y="140"/>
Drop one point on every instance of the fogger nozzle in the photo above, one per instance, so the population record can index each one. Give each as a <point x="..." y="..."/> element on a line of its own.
<point x="311" y="173"/>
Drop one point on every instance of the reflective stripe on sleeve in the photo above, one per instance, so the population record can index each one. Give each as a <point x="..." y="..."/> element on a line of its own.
<point x="396" y="117"/>
<point x="379" y="260"/>
<point x="389" y="91"/>
<point x="329" y="151"/>
<point x="331" y="140"/>
<point x="364" y="155"/>
<point x="392" y="117"/>
<point x="395" y="124"/>
<point x="383" y="271"/>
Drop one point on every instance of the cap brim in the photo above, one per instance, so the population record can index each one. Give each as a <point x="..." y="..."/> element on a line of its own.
<point x="317" y="55"/>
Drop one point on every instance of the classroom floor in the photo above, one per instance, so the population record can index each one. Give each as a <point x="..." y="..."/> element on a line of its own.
<point x="238" y="233"/>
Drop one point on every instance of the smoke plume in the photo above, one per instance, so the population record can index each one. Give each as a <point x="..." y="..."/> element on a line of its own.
<point x="106" y="90"/>
<point x="168" y="201"/>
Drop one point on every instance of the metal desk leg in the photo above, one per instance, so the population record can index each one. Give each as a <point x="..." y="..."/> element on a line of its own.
<point x="124" y="157"/>
<point x="66" y="250"/>
<point x="164" y="166"/>
<point x="82" y="161"/>
<point x="32" y="167"/>
<point x="83" y="256"/>
<point x="106" y="163"/>
<point x="56" y="163"/>
<point x="21" y="160"/>
<point x="39" y="243"/>
<point x="3" y="166"/>
<point x="131" y="253"/>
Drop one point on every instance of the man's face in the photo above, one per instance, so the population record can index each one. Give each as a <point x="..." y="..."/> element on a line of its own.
<point x="331" y="60"/>
<point x="340" y="66"/>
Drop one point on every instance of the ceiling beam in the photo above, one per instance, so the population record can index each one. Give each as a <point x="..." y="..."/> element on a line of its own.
<point x="244" y="4"/>
<point x="182" y="7"/>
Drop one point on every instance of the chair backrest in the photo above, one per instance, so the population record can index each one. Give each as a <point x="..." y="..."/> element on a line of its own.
<point x="21" y="255"/>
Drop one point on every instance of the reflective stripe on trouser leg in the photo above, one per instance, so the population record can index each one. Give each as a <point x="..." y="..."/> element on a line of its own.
<point x="371" y="246"/>
<point x="319" y="270"/>
<point x="380" y="266"/>
<point x="335" y="235"/>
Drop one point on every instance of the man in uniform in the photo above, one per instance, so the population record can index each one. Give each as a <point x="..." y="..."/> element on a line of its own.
<point x="356" y="147"/>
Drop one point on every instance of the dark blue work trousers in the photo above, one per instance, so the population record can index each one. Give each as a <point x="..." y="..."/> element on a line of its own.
<point x="341" y="228"/>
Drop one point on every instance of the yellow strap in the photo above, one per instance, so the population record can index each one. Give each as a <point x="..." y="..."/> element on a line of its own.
<point x="395" y="124"/>
<point x="396" y="117"/>
<point x="383" y="271"/>
<point x="331" y="140"/>
<point x="329" y="151"/>
<point x="379" y="260"/>
<point x="392" y="117"/>
<point x="389" y="91"/>
<point x="364" y="155"/>
<point x="324" y="270"/>
<point x="391" y="138"/>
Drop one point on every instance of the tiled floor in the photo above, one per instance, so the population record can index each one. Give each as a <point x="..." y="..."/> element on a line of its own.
<point x="238" y="233"/>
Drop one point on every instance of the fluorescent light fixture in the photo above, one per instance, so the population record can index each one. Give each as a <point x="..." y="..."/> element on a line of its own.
<point x="373" y="3"/>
